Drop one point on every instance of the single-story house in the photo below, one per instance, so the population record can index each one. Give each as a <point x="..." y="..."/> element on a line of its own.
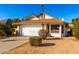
<point x="32" y="25"/>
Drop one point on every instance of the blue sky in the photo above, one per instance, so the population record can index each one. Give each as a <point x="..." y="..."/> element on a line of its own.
<point x="66" y="11"/>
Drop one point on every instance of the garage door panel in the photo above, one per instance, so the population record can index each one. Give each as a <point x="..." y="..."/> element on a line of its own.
<point x="25" y="31"/>
<point x="31" y="30"/>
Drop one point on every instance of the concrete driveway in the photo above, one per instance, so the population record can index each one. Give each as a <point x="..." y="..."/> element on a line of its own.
<point x="12" y="42"/>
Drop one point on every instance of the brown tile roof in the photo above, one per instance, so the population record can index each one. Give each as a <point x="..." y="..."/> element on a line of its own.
<point x="41" y="21"/>
<point x="31" y="20"/>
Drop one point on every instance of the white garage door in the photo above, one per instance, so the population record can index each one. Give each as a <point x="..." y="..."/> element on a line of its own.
<point x="31" y="30"/>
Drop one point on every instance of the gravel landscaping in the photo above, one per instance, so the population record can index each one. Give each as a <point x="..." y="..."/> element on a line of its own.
<point x="66" y="45"/>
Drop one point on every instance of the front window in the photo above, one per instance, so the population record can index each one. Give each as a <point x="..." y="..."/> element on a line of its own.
<point x="55" y="28"/>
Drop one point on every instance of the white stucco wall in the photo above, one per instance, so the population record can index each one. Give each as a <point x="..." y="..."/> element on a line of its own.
<point x="34" y="28"/>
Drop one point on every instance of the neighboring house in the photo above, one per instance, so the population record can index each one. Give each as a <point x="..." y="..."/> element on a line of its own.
<point x="32" y="26"/>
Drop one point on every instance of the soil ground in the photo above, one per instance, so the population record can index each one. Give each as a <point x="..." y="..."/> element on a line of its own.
<point x="66" y="45"/>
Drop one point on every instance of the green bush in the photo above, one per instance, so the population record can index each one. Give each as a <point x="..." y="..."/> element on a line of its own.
<point x="9" y="32"/>
<point x="49" y="35"/>
<point x="2" y="33"/>
<point x="76" y="28"/>
<point x="43" y="33"/>
<point x="35" y="41"/>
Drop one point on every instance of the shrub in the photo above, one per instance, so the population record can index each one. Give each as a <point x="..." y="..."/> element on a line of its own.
<point x="2" y="33"/>
<point x="76" y="28"/>
<point x="9" y="32"/>
<point x="49" y="35"/>
<point x="35" y="41"/>
<point x="43" y="33"/>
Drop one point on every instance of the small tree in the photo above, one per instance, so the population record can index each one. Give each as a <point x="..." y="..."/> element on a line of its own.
<point x="2" y="32"/>
<point x="75" y="23"/>
<point x="43" y="33"/>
